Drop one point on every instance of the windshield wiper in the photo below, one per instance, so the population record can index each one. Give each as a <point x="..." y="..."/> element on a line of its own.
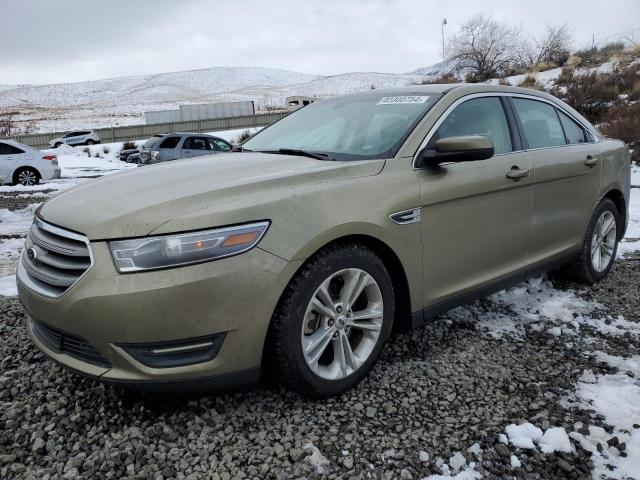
<point x="240" y="148"/>
<point x="300" y="153"/>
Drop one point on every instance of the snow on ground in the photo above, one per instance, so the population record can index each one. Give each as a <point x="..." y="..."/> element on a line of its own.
<point x="16" y="222"/>
<point x="8" y="286"/>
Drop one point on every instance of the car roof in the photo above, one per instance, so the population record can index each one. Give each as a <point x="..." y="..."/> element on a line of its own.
<point x="8" y="141"/>
<point x="442" y="88"/>
<point x="194" y="134"/>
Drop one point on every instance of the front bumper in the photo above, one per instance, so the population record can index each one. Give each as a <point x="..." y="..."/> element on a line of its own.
<point x="235" y="297"/>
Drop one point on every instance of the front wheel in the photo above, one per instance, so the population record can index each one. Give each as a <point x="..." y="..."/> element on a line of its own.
<point x="332" y="322"/>
<point x="600" y="245"/>
<point x="89" y="142"/>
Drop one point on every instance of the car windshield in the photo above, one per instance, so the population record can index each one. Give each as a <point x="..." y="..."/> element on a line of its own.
<point x="346" y="128"/>
<point x="151" y="141"/>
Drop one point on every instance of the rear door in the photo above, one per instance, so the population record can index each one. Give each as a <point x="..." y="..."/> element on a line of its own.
<point x="566" y="169"/>
<point x="169" y="149"/>
<point x="476" y="216"/>
<point x="8" y="158"/>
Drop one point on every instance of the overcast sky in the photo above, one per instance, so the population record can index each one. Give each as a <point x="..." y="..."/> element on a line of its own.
<point x="45" y="41"/>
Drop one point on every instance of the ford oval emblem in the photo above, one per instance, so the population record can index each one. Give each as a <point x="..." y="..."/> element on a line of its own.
<point x="32" y="254"/>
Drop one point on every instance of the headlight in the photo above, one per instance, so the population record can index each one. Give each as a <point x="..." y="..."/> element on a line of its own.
<point x="151" y="253"/>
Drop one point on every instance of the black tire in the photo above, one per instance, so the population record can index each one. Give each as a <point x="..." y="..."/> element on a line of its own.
<point x="283" y="358"/>
<point x="89" y="142"/>
<point x="20" y="179"/>
<point x="582" y="269"/>
<point x="57" y="145"/>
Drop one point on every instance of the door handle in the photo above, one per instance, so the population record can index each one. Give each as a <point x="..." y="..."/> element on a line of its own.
<point x="516" y="173"/>
<point x="590" y="161"/>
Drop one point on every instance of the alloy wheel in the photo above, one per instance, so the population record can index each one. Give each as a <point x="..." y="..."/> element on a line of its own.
<point x="342" y="324"/>
<point x="603" y="242"/>
<point x="27" y="178"/>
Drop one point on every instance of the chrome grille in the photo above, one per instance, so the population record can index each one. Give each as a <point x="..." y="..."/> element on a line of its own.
<point x="72" y="345"/>
<point x="53" y="258"/>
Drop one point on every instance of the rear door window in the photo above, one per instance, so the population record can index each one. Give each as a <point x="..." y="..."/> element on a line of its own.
<point x="479" y="116"/>
<point x="171" y="142"/>
<point x="574" y="132"/>
<point x="540" y="123"/>
<point x="6" y="149"/>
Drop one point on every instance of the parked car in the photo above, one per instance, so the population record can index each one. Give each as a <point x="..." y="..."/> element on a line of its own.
<point x="174" y="146"/>
<point x="81" y="137"/>
<point x="125" y="155"/>
<point x="24" y="165"/>
<point x="345" y="220"/>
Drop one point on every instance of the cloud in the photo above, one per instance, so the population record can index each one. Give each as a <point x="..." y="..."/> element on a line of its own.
<point x="73" y="40"/>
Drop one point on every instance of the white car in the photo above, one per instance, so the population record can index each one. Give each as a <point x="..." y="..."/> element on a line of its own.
<point x="24" y="165"/>
<point x="79" y="137"/>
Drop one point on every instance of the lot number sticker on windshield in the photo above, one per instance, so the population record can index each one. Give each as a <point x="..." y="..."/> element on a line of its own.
<point x="403" y="99"/>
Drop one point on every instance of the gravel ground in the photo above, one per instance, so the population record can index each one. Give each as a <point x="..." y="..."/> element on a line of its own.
<point x="20" y="200"/>
<point x="437" y="390"/>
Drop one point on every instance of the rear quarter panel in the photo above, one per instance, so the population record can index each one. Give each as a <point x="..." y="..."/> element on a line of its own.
<point x="616" y="170"/>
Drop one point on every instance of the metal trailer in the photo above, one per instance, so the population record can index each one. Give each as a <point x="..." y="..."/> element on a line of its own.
<point x="203" y="111"/>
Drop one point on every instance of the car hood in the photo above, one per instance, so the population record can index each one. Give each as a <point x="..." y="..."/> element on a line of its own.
<point x="230" y="188"/>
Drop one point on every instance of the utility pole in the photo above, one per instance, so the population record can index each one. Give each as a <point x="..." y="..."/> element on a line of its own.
<point x="444" y="22"/>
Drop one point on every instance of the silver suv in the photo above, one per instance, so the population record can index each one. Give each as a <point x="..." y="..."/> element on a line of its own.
<point x="173" y="146"/>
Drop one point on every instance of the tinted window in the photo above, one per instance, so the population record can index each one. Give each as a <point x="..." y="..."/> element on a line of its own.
<point x="540" y="122"/>
<point x="6" y="149"/>
<point x="573" y="131"/>
<point x="171" y="142"/>
<point x="479" y="116"/>
<point x="197" y="143"/>
<point x="221" y="145"/>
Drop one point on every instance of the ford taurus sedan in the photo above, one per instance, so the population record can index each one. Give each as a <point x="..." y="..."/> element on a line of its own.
<point x="344" y="221"/>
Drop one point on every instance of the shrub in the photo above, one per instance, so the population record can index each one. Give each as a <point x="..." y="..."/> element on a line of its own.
<point x="128" y="146"/>
<point x="590" y="94"/>
<point x="594" y="56"/>
<point x="97" y="155"/>
<point x="531" y="82"/>
<point x="87" y="151"/>
<point x="446" y="78"/>
<point x="243" y="137"/>
<point x="106" y="149"/>
<point x="634" y="93"/>
<point x="503" y="81"/>
<point x="623" y="122"/>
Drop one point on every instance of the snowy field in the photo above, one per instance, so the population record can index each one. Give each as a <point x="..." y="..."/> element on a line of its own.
<point x="565" y="313"/>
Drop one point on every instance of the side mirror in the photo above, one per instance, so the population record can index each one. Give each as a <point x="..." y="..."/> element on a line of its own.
<point x="456" y="149"/>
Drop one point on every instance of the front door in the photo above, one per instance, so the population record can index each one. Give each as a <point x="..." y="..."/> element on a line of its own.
<point x="476" y="216"/>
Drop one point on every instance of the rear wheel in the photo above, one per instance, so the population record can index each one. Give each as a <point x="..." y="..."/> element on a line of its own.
<point x="600" y="245"/>
<point x="26" y="177"/>
<point x="58" y="145"/>
<point x="332" y="322"/>
<point x="89" y="142"/>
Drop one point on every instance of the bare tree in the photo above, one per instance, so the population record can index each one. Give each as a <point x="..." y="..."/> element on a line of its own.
<point x="552" y="47"/>
<point x="485" y="47"/>
<point x="7" y="124"/>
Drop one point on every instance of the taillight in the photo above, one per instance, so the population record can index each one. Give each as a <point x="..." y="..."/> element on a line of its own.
<point x="50" y="157"/>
